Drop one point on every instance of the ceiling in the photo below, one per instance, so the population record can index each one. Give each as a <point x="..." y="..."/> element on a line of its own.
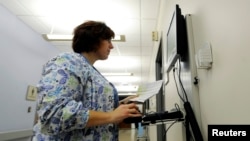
<point x="136" y="19"/>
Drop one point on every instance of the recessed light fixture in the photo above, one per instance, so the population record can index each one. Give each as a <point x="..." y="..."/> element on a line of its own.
<point x="69" y="37"/>
<point x="58" y="37"/>
<point x="127" y="88"/>
<point x="117" y="74"/>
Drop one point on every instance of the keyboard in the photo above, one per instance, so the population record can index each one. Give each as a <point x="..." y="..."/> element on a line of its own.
<point x="132" y="120"/>
<point x="166" y="115"/>
<point x="153" y="117"/>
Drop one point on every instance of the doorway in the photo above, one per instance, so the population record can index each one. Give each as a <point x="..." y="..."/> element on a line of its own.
<point x="160" y="100"/>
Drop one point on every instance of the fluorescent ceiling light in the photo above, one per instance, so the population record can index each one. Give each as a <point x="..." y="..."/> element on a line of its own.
<point x="55" y="37"/>
<point x="117" y="74"/>
<point x="68" y="37"/>
<point x="123" y="79"/>
<point x="127" y="88"/>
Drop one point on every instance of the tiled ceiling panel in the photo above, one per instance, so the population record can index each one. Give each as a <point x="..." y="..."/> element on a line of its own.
<point x="136" y="19"/>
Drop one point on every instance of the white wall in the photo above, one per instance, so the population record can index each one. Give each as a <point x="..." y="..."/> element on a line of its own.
<point x="223" y="89"/>
<point x="23" y="52"/>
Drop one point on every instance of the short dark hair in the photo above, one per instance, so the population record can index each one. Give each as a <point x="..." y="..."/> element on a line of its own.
<point x="88" y="36"/>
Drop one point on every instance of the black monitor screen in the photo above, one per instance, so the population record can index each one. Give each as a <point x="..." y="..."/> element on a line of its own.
<point x="171" y="40"/>
<point x="176" y="39"/>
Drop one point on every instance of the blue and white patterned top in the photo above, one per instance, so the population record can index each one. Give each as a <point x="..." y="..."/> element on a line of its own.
<point x="70" y="86"/>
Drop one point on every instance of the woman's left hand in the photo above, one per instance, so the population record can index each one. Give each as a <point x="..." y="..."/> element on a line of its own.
<point x="126" y="100"/>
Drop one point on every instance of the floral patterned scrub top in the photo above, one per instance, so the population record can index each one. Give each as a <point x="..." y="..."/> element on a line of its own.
<point x="68" y="89"/>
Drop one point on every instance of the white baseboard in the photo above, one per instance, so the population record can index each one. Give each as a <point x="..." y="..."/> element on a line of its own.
<point x="15" y="134"/>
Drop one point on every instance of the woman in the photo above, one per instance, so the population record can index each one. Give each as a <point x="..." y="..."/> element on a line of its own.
<point x="75" y="101"/>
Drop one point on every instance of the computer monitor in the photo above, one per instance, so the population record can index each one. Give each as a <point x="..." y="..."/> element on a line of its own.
<point x="176" y="38"/>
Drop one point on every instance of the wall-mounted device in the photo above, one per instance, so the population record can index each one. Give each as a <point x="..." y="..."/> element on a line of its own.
<point x="176" y="39"/>
<point x="180" y="51"/>
<point x="203" y="57"/>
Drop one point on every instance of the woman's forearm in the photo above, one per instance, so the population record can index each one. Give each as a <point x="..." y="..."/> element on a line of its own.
<point x="98" y="118"/>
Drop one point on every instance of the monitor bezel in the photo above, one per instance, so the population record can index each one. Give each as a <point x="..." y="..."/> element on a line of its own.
<point x="180" y="39"/>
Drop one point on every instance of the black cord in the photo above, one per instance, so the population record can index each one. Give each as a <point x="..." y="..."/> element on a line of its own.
<point x="171" y="125"/>
<point x="169" y="128"/>
<point x="181" y="85"/>
<point x="177" y="107"/>
<point x="185" y="94"/>
<point x="177" y="86"/>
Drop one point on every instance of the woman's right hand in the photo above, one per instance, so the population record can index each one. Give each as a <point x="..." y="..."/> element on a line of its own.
<point x="124" y="111"/>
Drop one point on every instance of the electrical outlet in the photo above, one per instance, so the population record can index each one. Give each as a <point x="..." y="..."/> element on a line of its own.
<point x="29" y="109"/>
<point x="31" y="93"/>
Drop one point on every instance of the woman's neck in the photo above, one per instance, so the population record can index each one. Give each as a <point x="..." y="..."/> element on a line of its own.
<point x="90" y="57"/>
